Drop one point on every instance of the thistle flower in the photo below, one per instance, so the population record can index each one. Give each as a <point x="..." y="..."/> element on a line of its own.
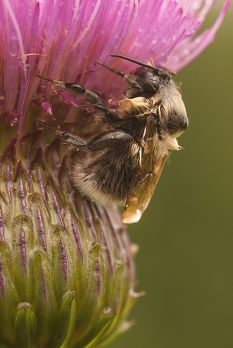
<point x="66" y="265"/>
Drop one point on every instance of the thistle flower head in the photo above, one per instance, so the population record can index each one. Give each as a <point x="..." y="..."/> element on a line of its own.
<point x="66" y="265"/>
<point x="64" y="39"/>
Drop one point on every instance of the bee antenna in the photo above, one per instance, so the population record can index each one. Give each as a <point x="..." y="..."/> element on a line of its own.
<point x="141" y="63"/>
<point x="172" y="73"/>
<point x="134" y="61"/>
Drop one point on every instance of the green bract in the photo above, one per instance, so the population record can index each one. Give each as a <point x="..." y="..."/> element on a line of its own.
<point x="66" y="269"/>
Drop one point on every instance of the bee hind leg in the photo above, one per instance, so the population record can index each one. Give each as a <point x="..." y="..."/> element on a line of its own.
<point x="74" y="141"/>
<point x="112" y="139"/>
<point x="103" y="141"/>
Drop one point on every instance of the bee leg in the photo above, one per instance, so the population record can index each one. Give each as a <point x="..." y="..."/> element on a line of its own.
<point x="73" y="140"/>
<point x="79" y="90"/>
<point x="94" y="100"/>
<point x="110" y="139"/>
<point x="100" y="142"/>
<point x="90" y="96"/>
<point x="132" y="82"/>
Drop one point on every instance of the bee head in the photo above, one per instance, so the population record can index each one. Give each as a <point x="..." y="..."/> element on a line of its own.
<point x="146" y="80"/>
<point x="172" y="111"/>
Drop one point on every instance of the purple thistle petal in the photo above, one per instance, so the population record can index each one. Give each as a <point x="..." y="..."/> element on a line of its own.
<point x="88" y="219"/>
<point x="58" y="209"/>
<point x="108" y="253"/>
<point x="113" y="230"/>
<point x="77" y="238"/>
<point x="22" y="196"/>
<point x="22" y="248"/>
<point x="47" y="107"/>
<point x="41" y="229"/>
<point x="42" y="185"/>
<point x="8" y="182"/>
<point x="105" y="243"/>
<point x="64" y="259"/>
<point x="64" y="39"/>
<point x="98" y="276"/>
<point x="190" y="50"/>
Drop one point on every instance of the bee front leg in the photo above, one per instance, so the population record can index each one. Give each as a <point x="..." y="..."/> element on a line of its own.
<point x="89" y="96"/>
<point x="92" y="99"/>
<point x="79" y="91"/>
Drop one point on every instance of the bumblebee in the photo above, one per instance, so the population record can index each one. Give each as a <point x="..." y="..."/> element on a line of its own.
<point x="124" y="164"/>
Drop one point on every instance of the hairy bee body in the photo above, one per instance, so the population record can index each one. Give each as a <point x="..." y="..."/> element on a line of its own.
<point x="124" y="163"/>
<point x="108" y="174"/>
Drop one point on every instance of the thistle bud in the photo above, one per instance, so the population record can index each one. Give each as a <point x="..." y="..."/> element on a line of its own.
<point x="66" y="269"/>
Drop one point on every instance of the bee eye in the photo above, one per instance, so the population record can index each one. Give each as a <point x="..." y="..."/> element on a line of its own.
<point x="164" y="76"/>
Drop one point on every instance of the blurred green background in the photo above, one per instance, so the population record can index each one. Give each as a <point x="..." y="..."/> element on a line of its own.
<point x="185" y="262"/>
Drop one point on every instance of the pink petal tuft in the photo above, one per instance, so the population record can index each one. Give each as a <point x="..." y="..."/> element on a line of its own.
<point x="64" y="39"/>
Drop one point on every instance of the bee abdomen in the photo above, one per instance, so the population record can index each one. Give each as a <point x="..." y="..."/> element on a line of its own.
<point x="107" y="178"/>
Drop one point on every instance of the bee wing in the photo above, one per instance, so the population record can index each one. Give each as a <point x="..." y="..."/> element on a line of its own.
<point x="154" y="154"/>
<point x="141" y="193"/>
